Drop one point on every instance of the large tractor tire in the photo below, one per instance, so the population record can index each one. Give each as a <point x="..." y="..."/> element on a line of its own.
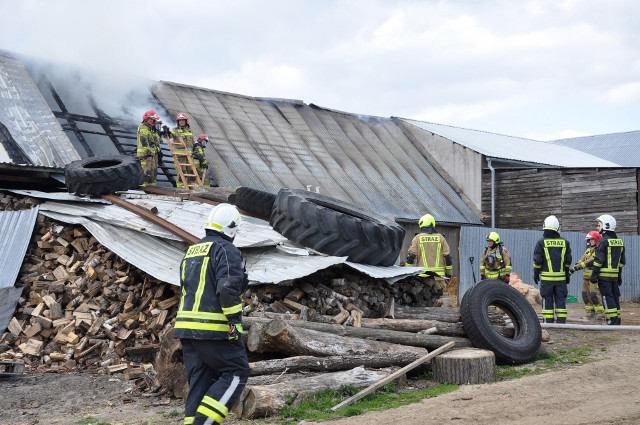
<point x="524" y="345"/>
<point x="334" y="227"/>
<point x="101" y="175"/>
<point x="255" y="202"/>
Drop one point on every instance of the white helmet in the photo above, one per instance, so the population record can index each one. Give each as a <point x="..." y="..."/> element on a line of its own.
<point x="551" y="223"/>
<point x="224" y="218"/>
<point x="607" y="222"/>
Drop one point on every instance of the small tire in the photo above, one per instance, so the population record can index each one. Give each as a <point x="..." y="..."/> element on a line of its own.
<point x="334" y="227"/>
<point x="101" y="175"/>
<point x="525" y="344"/>
<point x="255" y="202"/>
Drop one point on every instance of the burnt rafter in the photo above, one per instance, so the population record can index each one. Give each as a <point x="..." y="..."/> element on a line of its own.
<point x="67" y="116"/>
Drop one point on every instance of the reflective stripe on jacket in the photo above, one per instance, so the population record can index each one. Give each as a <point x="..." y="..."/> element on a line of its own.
<point x="146" y="142"/>
<point x="432" y="251"/>
<point x="187" y="137"/>
<point x="552" y="258"/>
<point x="501" y="265"/>
<point x="212" y="280"/>
<point x="610" y="257"/>
<point x="586" y="261"/>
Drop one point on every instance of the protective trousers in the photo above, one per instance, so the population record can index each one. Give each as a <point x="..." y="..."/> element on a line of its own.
<point x="591" y="298"/>
<point x="610" y="293"/>
<point x="149" y="166"/>
<point x="554" y="301"/>
<point x="217" y="372"/>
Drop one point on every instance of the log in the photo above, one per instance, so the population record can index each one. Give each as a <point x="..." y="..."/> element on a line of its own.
<point x="465" y="366"/>
<point x="441" y="314"/>
<point x="393" y="376"/>
<point x="430" y="342"/>
<point x="278" y="336"/>
<point x="331" y="363"/>
<point x="265" y="400"/>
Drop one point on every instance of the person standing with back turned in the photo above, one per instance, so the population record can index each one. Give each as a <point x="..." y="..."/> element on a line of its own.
<point x="209" y="320"/>
<point x="551" y="263"/>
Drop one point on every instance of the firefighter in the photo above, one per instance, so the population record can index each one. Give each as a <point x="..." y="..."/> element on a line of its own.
<point x="209" y="319"/>
<point x="182" y="131"/>
<point x="432" y="252"/>
<point x="551" y="263"/>
<point x="590" y="292"/>
<point x="495" y="262"/>
<point x="607" y="268"/>
<point x="157" y="133"/>
<point x="146" y="147"/>
<point x="201" y="163"/>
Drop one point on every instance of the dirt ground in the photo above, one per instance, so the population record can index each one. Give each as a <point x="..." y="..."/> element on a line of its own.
<point x="605" y="391"/>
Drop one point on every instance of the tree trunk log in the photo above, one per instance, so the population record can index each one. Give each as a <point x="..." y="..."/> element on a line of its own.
<point x="441" y="314"/>
<point x="465" y="366"/>
<point x="430" y="342"/>
<point x="278" y="336"/>
<point x="331" y="363"/>
<point x="265" y="400"/>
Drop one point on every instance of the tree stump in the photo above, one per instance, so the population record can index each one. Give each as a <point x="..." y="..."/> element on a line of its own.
<point x="465" y="366"/>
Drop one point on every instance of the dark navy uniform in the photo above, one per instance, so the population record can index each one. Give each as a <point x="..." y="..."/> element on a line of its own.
<point x="551" y="263"/>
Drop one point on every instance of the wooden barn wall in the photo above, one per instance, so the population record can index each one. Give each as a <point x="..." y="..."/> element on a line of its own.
<point x="576" y="196"/>
<point x="523" y="197"/>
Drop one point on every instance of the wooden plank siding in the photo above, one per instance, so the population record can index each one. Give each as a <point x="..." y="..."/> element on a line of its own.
<point x="576" y="196"/>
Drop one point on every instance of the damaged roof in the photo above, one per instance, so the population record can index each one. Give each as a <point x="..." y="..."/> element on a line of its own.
<point x="516" y="148"/>
<point x="269" y="144"/>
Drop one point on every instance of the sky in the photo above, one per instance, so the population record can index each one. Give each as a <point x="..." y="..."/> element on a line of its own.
<point x="538" y="69"/>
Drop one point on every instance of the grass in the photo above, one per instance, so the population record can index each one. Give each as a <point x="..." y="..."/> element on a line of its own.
<point x="317" y="406"/>
<point x="545" y="362"/>
<point x="92" y="421"/>
<point x="173" y="414"/>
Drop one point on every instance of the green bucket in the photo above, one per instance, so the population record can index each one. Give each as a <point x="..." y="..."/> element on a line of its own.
<point x="572" y="299"/>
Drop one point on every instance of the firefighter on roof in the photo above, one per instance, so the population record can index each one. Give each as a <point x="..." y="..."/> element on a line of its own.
<point x="430" y="251"/>
<point x="147" y="146"/>
<point x="183" y="132"/>
<point x="551" y="263"/>
<point x="495" y="262"/>
<point x="607" y="268"/>
<point x="590" y="292"/>
<point x="199" y="160"/>
<point x="209" y="320"/>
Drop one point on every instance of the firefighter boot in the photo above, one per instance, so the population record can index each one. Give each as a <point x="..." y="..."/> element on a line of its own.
<point x="590" y="315"/>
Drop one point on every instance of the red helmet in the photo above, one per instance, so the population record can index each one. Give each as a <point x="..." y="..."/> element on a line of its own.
<point x="150" y="114"/>
<point x="203" y="137"/>
<point x="594" y="235"/>
<point x="182" y="116"/>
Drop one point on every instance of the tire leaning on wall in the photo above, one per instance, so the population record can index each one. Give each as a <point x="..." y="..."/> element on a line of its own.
<point x="524" y="345"/>
<point x="101" y="175"/>
<point x="334" y="227"/>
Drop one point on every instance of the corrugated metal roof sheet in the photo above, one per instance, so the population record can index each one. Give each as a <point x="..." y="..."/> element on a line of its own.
<point x="269" y="144"/>
<point x="621" y="148"/>
<point x="29" y="119"/>
<point x="8" y="301"/>
<point x="16" y="228"/>
<point x="515" y="148"/>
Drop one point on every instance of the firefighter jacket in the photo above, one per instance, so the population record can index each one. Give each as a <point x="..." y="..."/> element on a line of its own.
<point x="198" y="156"/>
<point x="146" y="141"/>
<point x="610" y="257"/>
<point x="187" y="137"/>
<point x="586" y="262"/>
<point x="495" y="262"/>
<point x="432" y="253"/>
<point x="212" y="280"/>
<point x="552" y="258"/>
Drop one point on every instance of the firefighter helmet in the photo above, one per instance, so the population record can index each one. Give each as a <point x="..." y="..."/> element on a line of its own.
<point x="182" y="116"/>
<point x="493" y="236"/>
<point x="607" y="222"/>
<point x="551" y="223"/>
<point x="203" y="139"/>
<point x="224" y="218"/>
<point x="150" y="114"/>
<point x="427" y="220"/>
<point x="593" y="235"/>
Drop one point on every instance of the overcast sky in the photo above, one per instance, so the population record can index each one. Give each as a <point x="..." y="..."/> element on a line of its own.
<point x="538" y="69"/>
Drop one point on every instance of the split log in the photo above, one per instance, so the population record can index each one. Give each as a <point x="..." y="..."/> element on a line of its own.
<point x="331" y="363"/>
<point x="278" y="336"/>
<point x="265" y="400"/>
<point x="403" y="338"/>
<point x="465" y="366"/>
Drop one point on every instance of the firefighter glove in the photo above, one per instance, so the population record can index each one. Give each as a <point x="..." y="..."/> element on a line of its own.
<point x="572" y="270"/>
<point x="235" y="332"/>
<point x="411" y="257"/>
<point x="507" y="278"/>
<point x="619" y="280"/>
<point x="536" y="278"/>
<point x="593" y="278"/>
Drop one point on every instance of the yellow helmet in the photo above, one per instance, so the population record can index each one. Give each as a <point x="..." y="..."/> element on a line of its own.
<point x="493" y="236"/>
<point x="426" y="221"/>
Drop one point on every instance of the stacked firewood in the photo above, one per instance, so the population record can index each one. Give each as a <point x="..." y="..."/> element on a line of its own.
<point x="84" y="308"/>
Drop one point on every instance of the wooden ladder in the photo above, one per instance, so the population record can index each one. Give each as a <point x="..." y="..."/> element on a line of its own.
<point x="183" y="169"/>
